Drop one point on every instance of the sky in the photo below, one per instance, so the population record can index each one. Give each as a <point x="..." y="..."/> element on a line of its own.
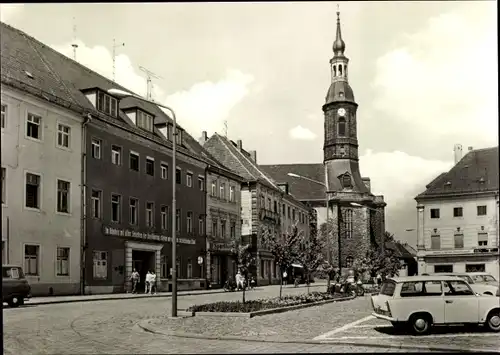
<point x="424" y="74"/>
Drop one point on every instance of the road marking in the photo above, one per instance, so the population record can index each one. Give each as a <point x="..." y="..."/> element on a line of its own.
<point x="370" y="325"/>
<point x="411" y="336"/>
<point x="344" y="328"/>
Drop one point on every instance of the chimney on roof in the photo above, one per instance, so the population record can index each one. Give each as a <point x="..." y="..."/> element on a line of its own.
<point x="240" y="144"/>
<point x="203" y="138"/>
<point x="471" y="149"/>
<point x="253" y="156"/>
<point x="458" y="152"/>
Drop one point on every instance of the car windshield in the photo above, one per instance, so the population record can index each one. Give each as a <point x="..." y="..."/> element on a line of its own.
<point x="483" y="278"/>
<point x="387" y="288"/>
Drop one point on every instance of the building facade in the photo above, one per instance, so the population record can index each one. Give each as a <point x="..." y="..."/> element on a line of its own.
<point x="265" y="205"/>
<point x="358" y="216"/>
<point x="457" y="215"/>
<point x="41" y="185"/>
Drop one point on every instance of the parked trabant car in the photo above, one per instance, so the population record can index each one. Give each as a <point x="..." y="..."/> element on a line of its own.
<point x="419" y="302"/>
<point x="480" y="282"/>
<point x="15" y="287"/>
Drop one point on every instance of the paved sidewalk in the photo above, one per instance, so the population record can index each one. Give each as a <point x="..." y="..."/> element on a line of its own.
<point x="119" y="296"/>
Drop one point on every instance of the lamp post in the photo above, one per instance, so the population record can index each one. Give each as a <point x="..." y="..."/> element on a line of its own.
<point x="123" y="94"/>
<point x="327" y="210"/>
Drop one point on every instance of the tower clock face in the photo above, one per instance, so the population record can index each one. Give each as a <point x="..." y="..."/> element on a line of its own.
<point x="341" y="111"/>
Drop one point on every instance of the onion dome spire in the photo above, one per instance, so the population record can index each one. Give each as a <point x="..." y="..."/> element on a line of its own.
<point x="338" y="44"/>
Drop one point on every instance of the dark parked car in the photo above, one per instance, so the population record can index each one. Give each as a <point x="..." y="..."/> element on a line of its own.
<point x="15" y="287"/>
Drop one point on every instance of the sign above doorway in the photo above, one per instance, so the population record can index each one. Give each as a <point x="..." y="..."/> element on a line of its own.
<point x="125" y="233"/>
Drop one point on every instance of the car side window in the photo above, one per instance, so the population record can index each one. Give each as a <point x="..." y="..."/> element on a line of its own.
<point x="457" y="288"/>
<point x="10" y="273"/>
<point x="421" y="289"/>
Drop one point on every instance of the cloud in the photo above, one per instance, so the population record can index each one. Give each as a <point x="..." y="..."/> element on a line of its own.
<point x="202" y="107"/>
<point x="396" y="174"/>
<point x="8" y="11"/>
<point x="443" y="77"/>
<point x="301" y="133"/>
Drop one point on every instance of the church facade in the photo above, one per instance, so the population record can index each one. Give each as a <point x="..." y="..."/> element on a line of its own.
<point x="357" y="217"/>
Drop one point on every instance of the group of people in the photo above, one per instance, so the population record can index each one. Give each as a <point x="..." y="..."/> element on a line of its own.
<point x="150" y="282"/>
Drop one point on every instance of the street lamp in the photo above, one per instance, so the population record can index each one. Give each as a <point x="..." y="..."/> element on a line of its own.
<point x="123" y="94"/>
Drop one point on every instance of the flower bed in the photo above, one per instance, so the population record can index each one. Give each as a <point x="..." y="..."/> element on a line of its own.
<point x="261" y="304"/>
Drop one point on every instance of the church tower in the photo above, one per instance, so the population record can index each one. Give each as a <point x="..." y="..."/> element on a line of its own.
<point x="357" y="215"/>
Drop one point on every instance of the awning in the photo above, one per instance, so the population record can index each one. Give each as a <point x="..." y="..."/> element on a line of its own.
<point x="297" y="265"/>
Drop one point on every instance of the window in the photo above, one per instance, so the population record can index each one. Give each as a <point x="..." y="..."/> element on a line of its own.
<point x="169" y="132"/>
<point x="33" y="190"/>
<point x="434" y="212"/>
<point x="134" y="161"/>
<point x="63" y="188"/>
<point x="201" y="183"/>
<point x="233" y="230"/>
<point x="482" y="239"/>
<point x="348" y="223"/>
<point x="178" y="177"/>
<point x="459" y="241"/>
<point x="178" y="220"/>
<point x="62" y="262"/>
<point x="232" y="197"/>
<point x="214" y="188"/>
<point x="178" y="137"/>
<point x="289" y="214"/>
<point x="116" y="201"/>
<point x="189" y="268"/>
<point x="164" y="217"/>
<point x="150" y="166"/>
<point x="284" y="210"/>
<point x="3" y="115"/>
<point x="34" y="126"/>
<point x="481" y="210"/>
<point x="189" y="222"/>
<point x="341" y="127"/>
<point x="457" y="288"/>
<point x="96" y="148"/>
<point x="293" y="214"/>
<point x="31" y="255"/>
<point x="222" y="190"/>
<point x="201" y="225"/>
<point x="100" y="264"/>
<point x="63" y="135"/>
<point x="96" y="198"/>
<point x="107" y="104"/>
<point x="443" y="268"/>
<point x="223" y="229"/>
<point x="164" y="267"/>
<point x="116" y="155"/>
<point x="458" y="212"/>
<point x="268" y="206"/>
<point x="478" y="268"/>
<point x="215" y="232"/>
<point x="421" y="289"/>
<point x="275" y="206"/>
<point x="150" y="206"/>
<point x="4" y="186"/>
<point x="435" y="242"/>
<point x="189" y="180"/>
<point x="133" y="211"/>
<point x="144" y="121"/>
<point x="346" y="181"/>
<point x="164" y="171"/>
<point x="388" y="288"/>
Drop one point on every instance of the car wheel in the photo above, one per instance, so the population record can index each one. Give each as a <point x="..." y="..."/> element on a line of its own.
<point x="493" y="321"/>
<point x="420" y="324"/>
<point x="14" y="302"/>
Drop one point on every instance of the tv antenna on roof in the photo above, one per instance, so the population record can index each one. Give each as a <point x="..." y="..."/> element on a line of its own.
<point x="149" y="75"/>
<point x="114" y="56"/>
<point x="74" y="45"/>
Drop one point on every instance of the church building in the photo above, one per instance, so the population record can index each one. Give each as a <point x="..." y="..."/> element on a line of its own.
<point x="356" y="216"/>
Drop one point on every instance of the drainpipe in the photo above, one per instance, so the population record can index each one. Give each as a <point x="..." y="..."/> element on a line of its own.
<point x="83" y="227"/>
<point x="8" y="240"/>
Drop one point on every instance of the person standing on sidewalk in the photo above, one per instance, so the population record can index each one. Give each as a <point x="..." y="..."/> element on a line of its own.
<point x="285" y="276"/>
<point x="147" y="282"/>
<point x="152" y="286"/>
<point x="134" y="278"/>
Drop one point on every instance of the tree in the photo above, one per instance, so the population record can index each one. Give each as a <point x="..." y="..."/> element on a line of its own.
<point x="379" y="261"/>
<point x="311" y="255"/>
<point x="245" y="261"/>
<point x="283" y="248"/>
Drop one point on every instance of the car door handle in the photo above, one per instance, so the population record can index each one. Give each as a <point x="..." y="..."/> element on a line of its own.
<point x="449" y="301"/>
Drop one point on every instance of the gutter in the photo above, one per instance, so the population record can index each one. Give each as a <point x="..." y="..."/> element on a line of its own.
<point x="83" y="186"/>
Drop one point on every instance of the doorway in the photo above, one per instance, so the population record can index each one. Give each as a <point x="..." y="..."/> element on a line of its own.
<point x="143" y="261"/>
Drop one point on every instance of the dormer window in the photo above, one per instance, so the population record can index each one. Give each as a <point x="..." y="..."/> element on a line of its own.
<point x="107" y="104"/>
<point x="144" y="120"/>
<point x="346" y="181"/>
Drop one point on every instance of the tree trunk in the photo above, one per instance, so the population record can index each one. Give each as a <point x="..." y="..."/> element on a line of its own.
<point x="308" y="282"/>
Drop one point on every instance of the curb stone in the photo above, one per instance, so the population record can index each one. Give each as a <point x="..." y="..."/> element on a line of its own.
<point x="146" y="326"/>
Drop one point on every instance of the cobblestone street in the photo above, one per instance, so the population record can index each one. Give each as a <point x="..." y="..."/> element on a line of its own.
<point x="112" y="327"/>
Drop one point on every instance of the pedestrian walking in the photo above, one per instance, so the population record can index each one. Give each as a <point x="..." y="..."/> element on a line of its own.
<point x="134" y="278"/>
<point x="152" y="286"/>
<point x="147" y="282"/>
<point x="285" y="278"/>
<point x="379" y="279"/>
<point x="239" y="280"/>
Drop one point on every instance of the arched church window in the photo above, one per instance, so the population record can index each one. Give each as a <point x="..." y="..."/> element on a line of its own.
<point x="341" y="127"/>
<point x="340" y="69"/>
<point x="334" y="68"/>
